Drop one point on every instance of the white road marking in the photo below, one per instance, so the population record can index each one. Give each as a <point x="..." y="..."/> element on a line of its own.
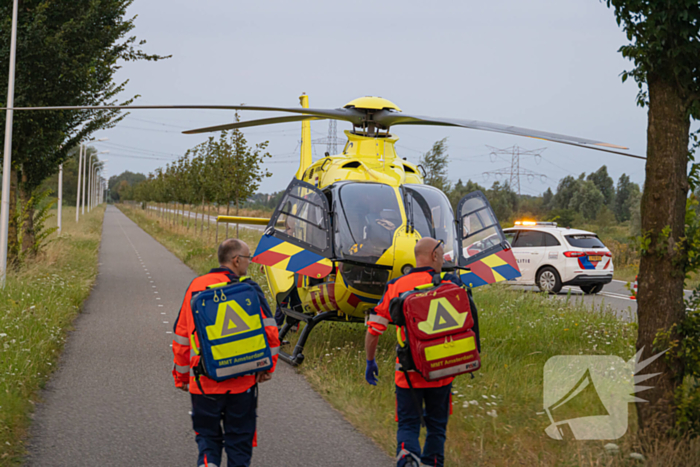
<point x="631" y="282"/>
<point x="614" y="295"/>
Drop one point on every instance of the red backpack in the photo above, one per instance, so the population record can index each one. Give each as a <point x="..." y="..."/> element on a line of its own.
<point x="437" y="322"/>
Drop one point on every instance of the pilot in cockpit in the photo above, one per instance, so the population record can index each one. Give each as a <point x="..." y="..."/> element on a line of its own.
<point x="372" y="223"/>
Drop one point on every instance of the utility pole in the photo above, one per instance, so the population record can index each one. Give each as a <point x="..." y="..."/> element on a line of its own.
<point x="89" y="180"/>
<point x="332" y="147"/>
<point x="60" y="197"/>
<point x="7" y="162"/>
<point x="331" y="141"/>
<point x="80" y="172"/>
<point x="515" y="172"/>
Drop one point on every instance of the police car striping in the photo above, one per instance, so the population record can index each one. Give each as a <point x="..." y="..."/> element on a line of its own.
<point x="551" y="257"/>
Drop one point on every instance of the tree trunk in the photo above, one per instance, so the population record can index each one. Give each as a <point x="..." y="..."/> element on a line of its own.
<point x="228" y="206"/>
<point x="201" y="229"/>
<point x="660" y="297"/>
<point x="28" y="234"/>
<point x="216" y="225"/>
<point x="237" y="210"/>
<point x="209" y="224"/>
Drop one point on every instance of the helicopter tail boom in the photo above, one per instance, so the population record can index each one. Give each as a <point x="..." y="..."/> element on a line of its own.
<point x="243" y="220"/>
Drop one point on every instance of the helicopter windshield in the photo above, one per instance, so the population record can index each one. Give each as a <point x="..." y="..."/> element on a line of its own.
<point x="431" y="215"/>
<point x="366" y="222"/>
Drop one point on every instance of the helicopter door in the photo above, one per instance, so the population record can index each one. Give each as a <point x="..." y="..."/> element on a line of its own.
<point x="297" y="239"/>
<point x="482" y="246"/>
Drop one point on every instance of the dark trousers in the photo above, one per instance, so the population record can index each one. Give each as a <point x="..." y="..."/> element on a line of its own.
<point x="436" y="411"/>
<point x="237" y="412"/>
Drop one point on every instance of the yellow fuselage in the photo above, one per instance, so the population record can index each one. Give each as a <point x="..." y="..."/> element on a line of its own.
<point x="364" y="159"/>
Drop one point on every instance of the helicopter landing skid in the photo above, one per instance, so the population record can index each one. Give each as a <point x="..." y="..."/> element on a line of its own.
<point x="297" y="357"/>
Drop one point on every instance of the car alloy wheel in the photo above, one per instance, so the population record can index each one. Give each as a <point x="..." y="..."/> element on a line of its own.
<point x="547" y="281"/>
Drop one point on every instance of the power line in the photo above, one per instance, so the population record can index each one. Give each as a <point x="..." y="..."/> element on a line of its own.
<point x="514" y="172"/>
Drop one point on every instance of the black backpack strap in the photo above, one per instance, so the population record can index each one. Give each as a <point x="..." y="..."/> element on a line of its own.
<point x="417" y="403"/>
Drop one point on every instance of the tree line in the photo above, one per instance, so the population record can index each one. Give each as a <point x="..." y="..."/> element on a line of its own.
<point x="219" y="171"/>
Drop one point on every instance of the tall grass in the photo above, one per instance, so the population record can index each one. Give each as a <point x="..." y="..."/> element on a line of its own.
<point x="37" y="307"/>
<point x="498" y="417"/>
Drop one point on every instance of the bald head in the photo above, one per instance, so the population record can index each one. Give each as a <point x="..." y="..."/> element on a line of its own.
<point x="235" y="255"/>
<point x="428" y="255"/>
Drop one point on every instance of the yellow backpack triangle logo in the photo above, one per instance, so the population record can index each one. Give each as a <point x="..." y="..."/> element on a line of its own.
<point x="442" y="316"/>
<point x="232" y="319"/>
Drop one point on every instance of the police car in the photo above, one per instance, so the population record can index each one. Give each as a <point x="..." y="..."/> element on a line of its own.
<point x="551" y="257"/>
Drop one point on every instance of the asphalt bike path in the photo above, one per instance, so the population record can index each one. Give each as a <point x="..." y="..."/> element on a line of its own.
<point x="112" y="401"/>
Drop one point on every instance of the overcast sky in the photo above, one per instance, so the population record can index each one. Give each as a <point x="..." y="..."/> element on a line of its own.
<point x="543" y="64"/>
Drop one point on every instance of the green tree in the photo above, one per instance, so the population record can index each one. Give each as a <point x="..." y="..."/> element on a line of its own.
<point x="625" y="190"/>
<point x="665" y="49"/>
<point x="605" y="218"/>
<point x="68" y="53"/>
<point x="563" y="217"/>
<point x="605" y="184"/>
<point x="435" y="163"/>
<point x="565" y="191"/>
<point x="460" y="190"/>
<point x="548" y="199"/>
<point x="632" y="207"/>
<point x="587" y="199"/>
<point x="503" y="200"/>
<point x="240" y="167"/>
<point x="115" y="181"/>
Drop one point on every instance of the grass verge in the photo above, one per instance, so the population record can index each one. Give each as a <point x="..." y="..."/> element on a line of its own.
<point x="498" y="417"/>
<point x="37" y="307"/>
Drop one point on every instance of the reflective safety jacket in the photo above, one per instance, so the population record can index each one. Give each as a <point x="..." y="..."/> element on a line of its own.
<point x="185" y="357"/>
<point x="380" y="318"/>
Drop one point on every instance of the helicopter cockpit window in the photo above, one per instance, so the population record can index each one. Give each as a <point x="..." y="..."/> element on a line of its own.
<point x="431" y="215"/>
<point x="302" y="216"/>
<point x="479" y="228"/>
<point x="366" y="220"/>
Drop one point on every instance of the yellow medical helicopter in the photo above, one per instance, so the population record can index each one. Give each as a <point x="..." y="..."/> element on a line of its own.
<point x="348" y="223"/>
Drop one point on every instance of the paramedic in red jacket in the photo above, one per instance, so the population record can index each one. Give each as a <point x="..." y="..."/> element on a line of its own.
<point x="434" y="396"/>
<point x="233" y="401"/>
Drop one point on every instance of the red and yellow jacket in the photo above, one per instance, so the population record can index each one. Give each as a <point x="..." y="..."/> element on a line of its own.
<point x="380" y="318"/>
<point x="184" y="327"/>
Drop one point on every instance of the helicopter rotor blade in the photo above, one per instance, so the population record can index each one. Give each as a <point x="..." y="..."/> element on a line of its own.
<point x="349" y="115"/>
<point x="263" y="121"/>
<point x="388" y="118"/>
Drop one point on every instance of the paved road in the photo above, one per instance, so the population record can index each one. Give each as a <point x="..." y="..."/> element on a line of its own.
<point x="613" y="295"/>
<point x="210" y="219"/>
<point x="112" y="401"/>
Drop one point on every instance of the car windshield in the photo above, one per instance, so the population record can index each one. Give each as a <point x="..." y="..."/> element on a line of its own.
<point x="366" y="221"/>
<point x="584" y="241"/>
<point x="432" y="216"/>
